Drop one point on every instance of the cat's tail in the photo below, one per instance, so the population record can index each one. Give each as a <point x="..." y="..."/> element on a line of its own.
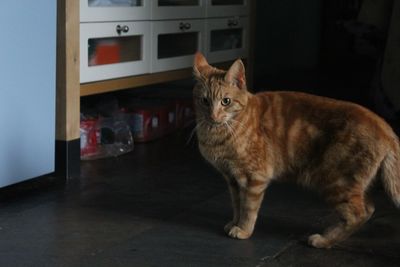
<point x="391" y="173"/>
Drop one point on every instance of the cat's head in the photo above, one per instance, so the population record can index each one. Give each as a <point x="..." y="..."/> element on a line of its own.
<point x="219" y="95"/>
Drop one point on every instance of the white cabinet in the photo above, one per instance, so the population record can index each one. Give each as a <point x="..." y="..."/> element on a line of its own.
<point x="114" y="10"/>
<point x="121" y="38"/>
<point x="222" y="8"/>
<point x="114" y="49"/>
<point x="174" y="43"/>
<point x="226" y="39"/>
<point x="178" y="9"/>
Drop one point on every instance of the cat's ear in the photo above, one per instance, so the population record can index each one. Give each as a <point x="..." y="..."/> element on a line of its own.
<point x="200" y="65"/>
<point x="236" y="75"/>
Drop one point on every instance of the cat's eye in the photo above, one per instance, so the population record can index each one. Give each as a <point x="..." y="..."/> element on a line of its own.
<point x="225" y="101"/>
<point x="205" y="101"/>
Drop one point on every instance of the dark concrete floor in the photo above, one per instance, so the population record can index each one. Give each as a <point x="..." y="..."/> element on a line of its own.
<point x="162" y="205"/>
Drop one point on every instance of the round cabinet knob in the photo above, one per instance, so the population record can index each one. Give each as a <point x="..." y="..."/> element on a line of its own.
<point x="184" y="26"/>
<point x="233" y="22"/>
<point x="123" y="28"/>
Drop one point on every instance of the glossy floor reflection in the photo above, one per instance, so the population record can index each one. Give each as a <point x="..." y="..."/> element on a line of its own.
<point x="162" y="205"/>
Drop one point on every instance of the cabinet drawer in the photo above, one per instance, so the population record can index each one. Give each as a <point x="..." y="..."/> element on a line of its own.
<point x="174" y="43"/>
<point x="227" y="39"/>
<point x="222" y="8"/>
<point x="113" y="50"/>
<point x="178" y="9"/>
<point x="114" y="10"/>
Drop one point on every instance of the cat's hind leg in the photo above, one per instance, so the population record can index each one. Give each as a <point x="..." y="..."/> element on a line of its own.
<point x="345" y="185"/>
<point x="354" y="211"/>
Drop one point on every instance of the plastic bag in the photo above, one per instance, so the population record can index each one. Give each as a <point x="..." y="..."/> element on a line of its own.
<point x="105" y="137"/>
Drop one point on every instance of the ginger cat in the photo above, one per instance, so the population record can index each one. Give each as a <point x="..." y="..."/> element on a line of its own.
<point x="332" y="146"/>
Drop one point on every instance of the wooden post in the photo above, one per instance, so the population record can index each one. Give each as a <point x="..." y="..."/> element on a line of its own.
<point x="68" y="89"/>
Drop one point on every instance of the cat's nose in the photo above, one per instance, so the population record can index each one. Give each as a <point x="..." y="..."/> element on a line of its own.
<point x="214" y="117"/>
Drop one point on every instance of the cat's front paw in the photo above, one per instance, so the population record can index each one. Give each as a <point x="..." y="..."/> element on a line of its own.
<point x="238" y="233"/>
<point x="228" y="227"/>
<point x="318" y="241"/>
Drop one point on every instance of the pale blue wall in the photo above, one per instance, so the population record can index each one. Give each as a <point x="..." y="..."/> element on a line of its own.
<point x="27" y="89"/>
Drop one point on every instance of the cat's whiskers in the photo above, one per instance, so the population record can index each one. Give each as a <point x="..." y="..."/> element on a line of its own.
<point x="238" y="123"/>
<point x="231" y="130"/>
<point x="228" y="128"/>
<point x="189" y="122"/>
<point x="195" y="128"/>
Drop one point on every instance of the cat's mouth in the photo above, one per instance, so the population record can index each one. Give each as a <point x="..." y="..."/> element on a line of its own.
<point x="218" y="121"/>
<point x="216" y="124"/>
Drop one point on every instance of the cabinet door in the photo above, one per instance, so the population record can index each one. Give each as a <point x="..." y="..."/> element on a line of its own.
<point x="114" y="10"/>
<point x="227" y="39"/>
<point x="175" y="42"/>
<point x="221" y="8"/>
<point x="113" y="50"/>
<point x="178" y="9"/>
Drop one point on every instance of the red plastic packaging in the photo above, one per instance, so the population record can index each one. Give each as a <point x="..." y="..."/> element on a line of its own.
<point x="90" y="136"/>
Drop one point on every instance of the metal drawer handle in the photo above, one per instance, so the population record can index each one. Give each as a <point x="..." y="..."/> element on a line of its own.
<point x="233" y="22"/>
<point x="184" y="26"/>
<point x="123" y="28"/>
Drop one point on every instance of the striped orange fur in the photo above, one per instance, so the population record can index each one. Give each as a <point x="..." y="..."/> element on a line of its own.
<point x="332" y="146"/>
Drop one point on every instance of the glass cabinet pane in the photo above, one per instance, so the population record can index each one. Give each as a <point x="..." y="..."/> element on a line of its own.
<point x="115" y="3"/>
<point x="226" y="39"/>
<point x="227" y="2"/>
<point x="178" y="2"/>
<point x="104" y="51"/>
<point x="177" y="44"/>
